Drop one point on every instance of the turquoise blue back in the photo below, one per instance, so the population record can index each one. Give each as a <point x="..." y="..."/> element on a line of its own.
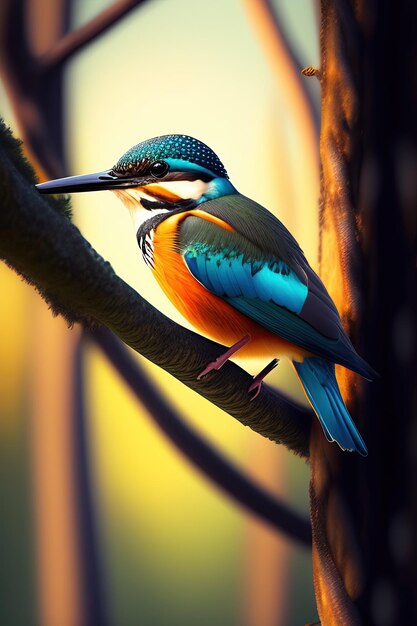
<point x="229" y="274"/>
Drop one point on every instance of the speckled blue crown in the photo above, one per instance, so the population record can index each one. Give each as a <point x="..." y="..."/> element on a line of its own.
<point x="171" y="147"/>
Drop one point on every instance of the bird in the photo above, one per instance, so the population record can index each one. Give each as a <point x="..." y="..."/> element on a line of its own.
<point x="232" y="269"/>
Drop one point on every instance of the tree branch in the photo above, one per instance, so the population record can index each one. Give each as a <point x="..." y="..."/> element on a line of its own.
<point x="50" y="252"/>
<point x="75" y="41"/>
<point x="201" y="454"/>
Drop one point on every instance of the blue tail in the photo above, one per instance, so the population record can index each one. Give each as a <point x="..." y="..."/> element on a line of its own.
<point x="319" y="381"/>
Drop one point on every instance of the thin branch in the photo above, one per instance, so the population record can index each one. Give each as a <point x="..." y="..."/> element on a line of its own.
<point x="273" y="35"/>
<point x="49" y="251"/>
<point x="75" y="41"/>
<point x="37" y="105"/>
<point x="95" y="601"/>
<point x="301" y="162"/>
<point x="292" y="54"/>
<point x="201" y="454"/>
<point x="276" y="20"/>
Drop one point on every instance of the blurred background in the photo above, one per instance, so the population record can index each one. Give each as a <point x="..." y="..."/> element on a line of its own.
<point x="164" y="547"/>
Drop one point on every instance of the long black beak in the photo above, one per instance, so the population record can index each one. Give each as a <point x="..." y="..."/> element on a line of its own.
<point x="90" y="182"/>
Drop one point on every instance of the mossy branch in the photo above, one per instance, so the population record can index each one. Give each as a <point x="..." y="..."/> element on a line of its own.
<point x="39" y="242"/>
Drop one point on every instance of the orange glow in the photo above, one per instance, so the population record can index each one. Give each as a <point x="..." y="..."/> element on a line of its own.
<point x="320" y="589"/>
<point x="13" y="339"/>
<point x="159" y="192"/>
<point x="267" y="555"/>
<point x="332" y="274"/>
<point x="52" y="463"/>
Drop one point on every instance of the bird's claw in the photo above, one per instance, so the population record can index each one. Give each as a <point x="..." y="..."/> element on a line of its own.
<point x="221" y="360"/>
<point x="255" y="386"/>
<point x="214" y="365"/>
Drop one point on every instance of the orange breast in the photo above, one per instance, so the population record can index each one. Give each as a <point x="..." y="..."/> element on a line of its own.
<point x="208" y="313"/>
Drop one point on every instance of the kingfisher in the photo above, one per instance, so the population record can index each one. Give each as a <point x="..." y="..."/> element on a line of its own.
<point x="232" y="269"/>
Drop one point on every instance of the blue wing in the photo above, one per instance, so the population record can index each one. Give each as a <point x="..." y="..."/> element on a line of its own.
<point x="230" y="276"/>
<point x="267" y="290"/>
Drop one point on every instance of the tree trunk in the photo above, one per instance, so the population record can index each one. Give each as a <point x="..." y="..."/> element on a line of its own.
<point x="364" y="511"/>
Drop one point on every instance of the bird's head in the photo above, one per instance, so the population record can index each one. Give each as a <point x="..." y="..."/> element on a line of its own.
<point x="161" y="174"/>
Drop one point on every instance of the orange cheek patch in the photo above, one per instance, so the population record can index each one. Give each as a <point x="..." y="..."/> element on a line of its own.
<point x="160" y="193"/>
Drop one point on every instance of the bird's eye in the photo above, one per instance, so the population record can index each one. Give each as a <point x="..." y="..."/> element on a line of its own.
<point x="159" y="169"/>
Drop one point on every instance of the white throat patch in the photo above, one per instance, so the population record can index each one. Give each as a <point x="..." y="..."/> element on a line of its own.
<point x="131" y="198"/>
<point x="176" y="189"/>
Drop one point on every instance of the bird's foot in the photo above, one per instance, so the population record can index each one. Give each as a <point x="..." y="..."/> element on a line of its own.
<point x="221" y="360"/>
<point x="256" y="385"/>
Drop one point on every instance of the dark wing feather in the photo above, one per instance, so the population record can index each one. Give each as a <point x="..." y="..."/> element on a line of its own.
<point x="293" y="328"/>
<point x="260" y="227"/>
